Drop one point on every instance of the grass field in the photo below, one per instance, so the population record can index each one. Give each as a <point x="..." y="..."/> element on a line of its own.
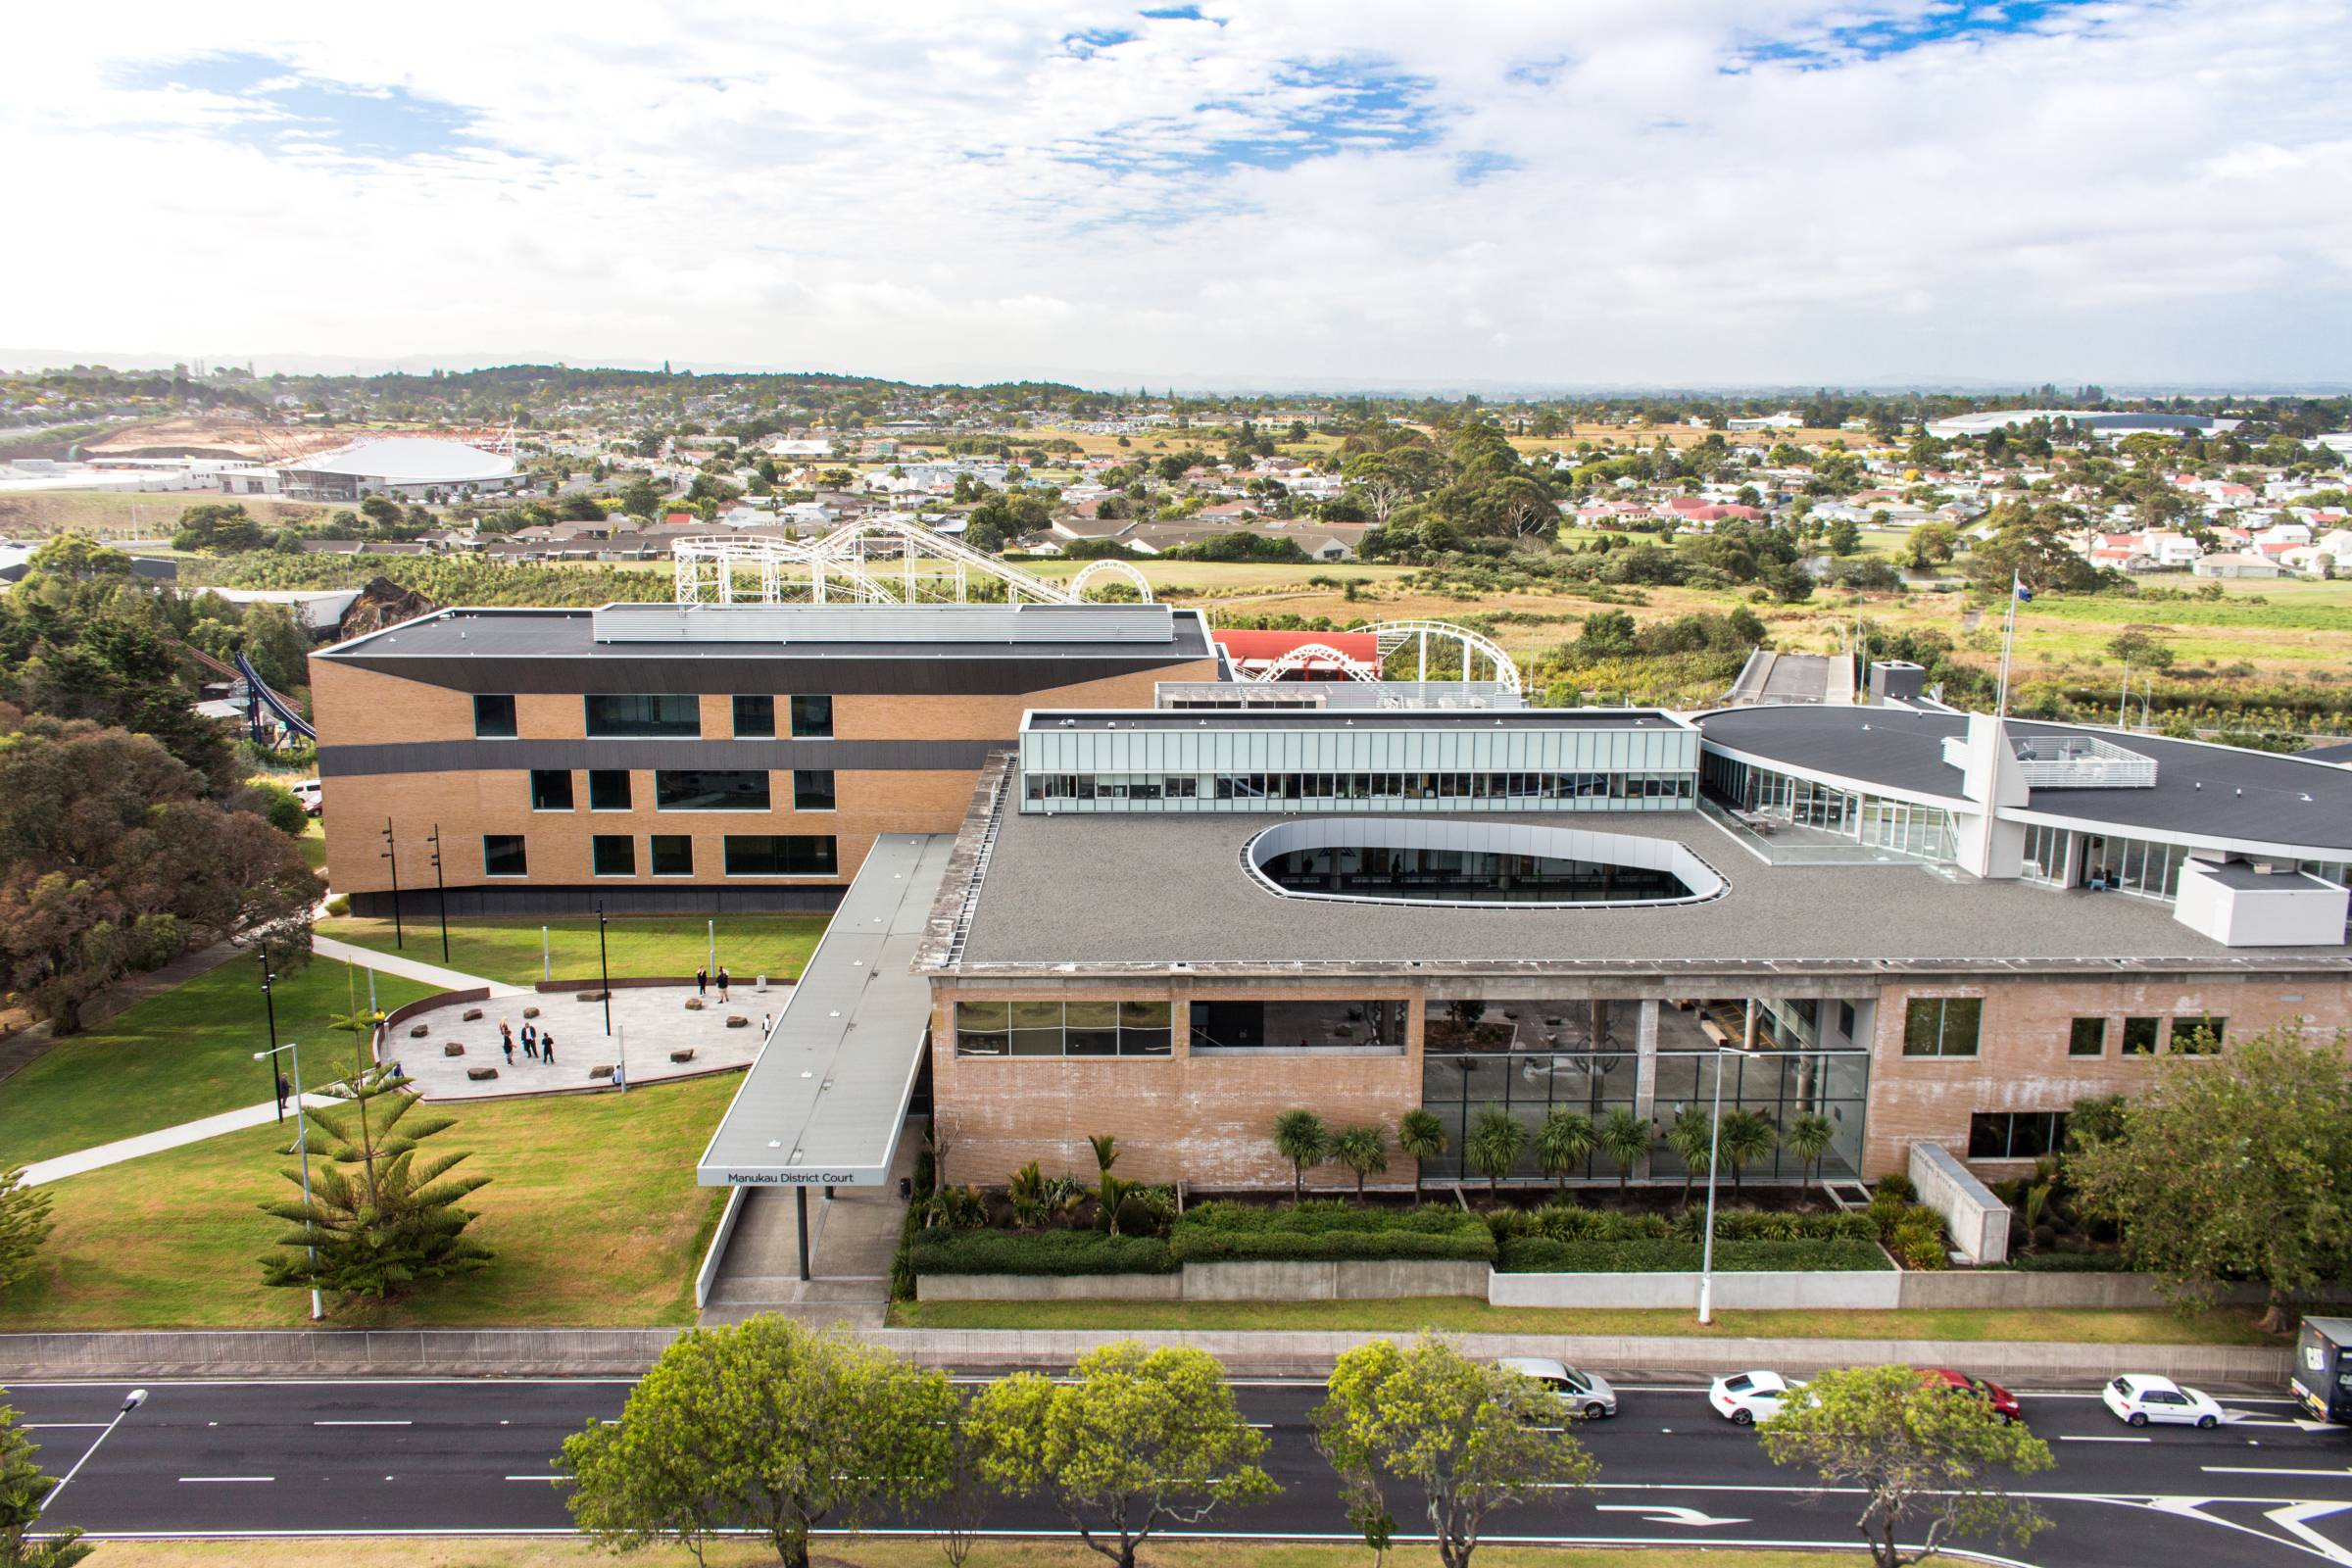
<point x="592" y="1208"/>
<point x="186" y="1054"/>
<point x="1467" y="1316"/>
<point x="637" y="946"/>
<point x="895" y="1552"/>
<point x="128" y="514"/>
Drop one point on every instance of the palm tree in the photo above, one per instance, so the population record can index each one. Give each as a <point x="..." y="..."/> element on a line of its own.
<point x="1301" y="1138"/>
<point x="1625" y="1139"/>
<point x="1747" y="1137"/>
<point x="1494" y="1146"/>
<point x="1106" y="1151"/>
<point x="1809" y="1138"/>
<point x="1363" y="1150"/>
<point x="1563" y="1142"/>
<point x="1691" y="1137"/>
<point x="1422" y="1135"/>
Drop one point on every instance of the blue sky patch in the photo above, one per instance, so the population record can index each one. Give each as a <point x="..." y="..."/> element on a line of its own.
<point x="1848" y="36"/>
<point x="288" y="111"/>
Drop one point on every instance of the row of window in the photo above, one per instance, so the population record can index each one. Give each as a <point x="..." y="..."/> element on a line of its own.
<point x="673" y="855"/>
<point x="1272" y="788"/>
<point x="666" y="715"/>
<point x="2016" y="1134"/>
<point x="1949" y="1026"/>
<point x="683" y="789"/>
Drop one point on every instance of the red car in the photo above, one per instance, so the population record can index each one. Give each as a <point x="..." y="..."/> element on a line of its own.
<point x="2004" y="1403"/>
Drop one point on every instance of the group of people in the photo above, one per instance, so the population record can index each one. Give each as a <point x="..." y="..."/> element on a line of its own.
<point x="702" y="982"/>
<point x="539" y="1045"/>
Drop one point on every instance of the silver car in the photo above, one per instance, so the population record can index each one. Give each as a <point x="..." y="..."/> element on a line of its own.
<point x="1587" y="1396"/>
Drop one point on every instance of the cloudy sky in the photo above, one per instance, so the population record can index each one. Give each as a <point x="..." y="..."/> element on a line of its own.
<point x="1242" y="192"/>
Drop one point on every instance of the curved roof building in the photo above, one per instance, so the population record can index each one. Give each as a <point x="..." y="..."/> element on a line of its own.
<point x="400" y="465"/>
<point x="2112" y="424"/>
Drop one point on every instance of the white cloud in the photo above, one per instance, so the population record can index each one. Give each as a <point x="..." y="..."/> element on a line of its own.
<point x="1677" y="192"/>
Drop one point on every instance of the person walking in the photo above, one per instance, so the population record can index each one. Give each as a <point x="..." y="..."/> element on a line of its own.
<point x="722" y="982"/>
<point x="505" y="1040"/>
<point x="702" y="981"/>
<point x="530" y="1040"/>
<point x="547" y="1049"/>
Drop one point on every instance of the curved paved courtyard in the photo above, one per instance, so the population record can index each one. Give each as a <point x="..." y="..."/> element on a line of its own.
<point x="649" y="1024"/>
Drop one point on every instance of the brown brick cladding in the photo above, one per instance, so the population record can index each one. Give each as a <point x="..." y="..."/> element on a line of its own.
<point x="360" y="707"/>
<point x="1202" y="1120"/>
<point x="2021" y="1062"/>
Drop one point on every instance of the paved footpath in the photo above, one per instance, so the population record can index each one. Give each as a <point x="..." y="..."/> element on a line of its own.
<point x="432" y="974"/>
<point x="41" y="1171"/>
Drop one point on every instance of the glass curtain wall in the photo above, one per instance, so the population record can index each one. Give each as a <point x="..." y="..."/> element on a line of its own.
<point x="1781" y="1086"/>
<point x="1901" y="827"/>
<point x="1526" y="1059"/>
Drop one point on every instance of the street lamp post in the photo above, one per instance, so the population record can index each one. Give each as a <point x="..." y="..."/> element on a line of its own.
<point x="302" y="1143"/>
<point x="440" y="887"/>
<point x="603" y="965"/>
<point x="391" y="853"/>
<point x="1707" y="1256"/>
<point x="270" y="1010"/>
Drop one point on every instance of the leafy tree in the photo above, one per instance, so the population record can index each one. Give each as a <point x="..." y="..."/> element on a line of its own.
<point x="80" y="558"/>
<point x="1563" y="1142"/>
<point x="2237" y="1165"/>
<point x="275" y="803"/>
<point x="25" y="1224"/>
<point x="1421" y="1136"/>
<point x="1364" y="1150"/>
<point x="1136" y="1442"/>
<point x="217" y="528"/>
<point x="1465" y="1438"/>
<point x="277" y="643"/>
<point x="641" y="497"/>
<point x="767" y="1427"/>
<point x="23" y="1491"/>
<point x="390" y="1220"/>
<point x="1810" y="1136"/>
<point x="1691" y="1137"/>
<point x="1301" y="1138"/>
<point x="1916" y="1453"/>
<point x="1934" y="542"/>
<point x="1625" y="1138"/>
<point x="2133" y="645"/>
<point x="1747" y="1137"/>
<point x="1495" y="1142"/>
<point x="1845" y="537"/>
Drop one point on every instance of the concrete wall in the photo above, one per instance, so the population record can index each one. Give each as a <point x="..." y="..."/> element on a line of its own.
<point x="1327" y="1280"/>
<point x="1978" y="1220"/>
<point x="1049" y="1288"/>
<point x="716" y="1254"/>
<point x="1847" y="1290"/>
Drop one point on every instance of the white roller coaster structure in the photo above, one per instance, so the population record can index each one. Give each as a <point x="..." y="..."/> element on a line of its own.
<point x="1472" y="650"/>
<point x="875" y="561"/>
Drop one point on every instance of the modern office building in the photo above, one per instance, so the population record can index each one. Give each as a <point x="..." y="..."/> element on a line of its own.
<point x="693" y="758"/>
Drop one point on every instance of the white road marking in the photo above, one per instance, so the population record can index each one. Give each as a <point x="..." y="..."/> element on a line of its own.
<point x="2292" y="1519"/>
<point x="1667" y="1513"/>
<point x="2269" y="1470"/>
<point x="2064" y="1437"/>
<point x="364" y="1423"/>
<point x="215" y="1480"/>
<point x="63" y="1426"/>
<point x="538" y="1478"/>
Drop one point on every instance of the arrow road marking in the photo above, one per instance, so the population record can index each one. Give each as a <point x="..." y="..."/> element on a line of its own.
<point x="2291" y="1520"/>
<point x="1667" y="1513"/>
<point x="2269" y="1470"/>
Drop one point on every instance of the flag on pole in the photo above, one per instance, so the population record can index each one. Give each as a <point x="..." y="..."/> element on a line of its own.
<point x="2025" y="595"/>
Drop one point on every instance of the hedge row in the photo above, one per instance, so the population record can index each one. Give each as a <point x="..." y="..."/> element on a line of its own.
<point x="1566" y="1222"/>
<point x="2071" y="1263"/>
<point x="1039" y="1252"/>
<point x="1232" y="1233"/>
<point x="1534" y="1255"/>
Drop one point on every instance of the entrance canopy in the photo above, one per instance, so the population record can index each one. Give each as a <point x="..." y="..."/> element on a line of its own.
<point x="824" y="1103"/>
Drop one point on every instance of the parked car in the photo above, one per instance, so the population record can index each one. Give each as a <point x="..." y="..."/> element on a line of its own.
<point x="2139" y="1398"/>
<point x="2004" y="1403"/>
<point x="1744" y="1399"/>
<point x="1586" y="1398"/>
<point x="308" y="792"/>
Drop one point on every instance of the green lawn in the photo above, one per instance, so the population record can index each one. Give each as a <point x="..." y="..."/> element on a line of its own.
<point x="186" y="1054"/>
<point x="1467" y="1316"/>
<point x="640" y="945"/>
<point x="592" y="1208"/>
<point x="894" y="1552"/>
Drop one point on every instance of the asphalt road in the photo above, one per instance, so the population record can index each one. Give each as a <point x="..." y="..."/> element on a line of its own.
<point x="246" y="1459"/>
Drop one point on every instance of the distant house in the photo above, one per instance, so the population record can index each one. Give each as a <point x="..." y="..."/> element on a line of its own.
<point x="2237" y="563"/>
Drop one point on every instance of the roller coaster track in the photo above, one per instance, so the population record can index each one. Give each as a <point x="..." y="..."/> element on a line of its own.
<point x="870" y="562"/>
<point x="259" y="696"/>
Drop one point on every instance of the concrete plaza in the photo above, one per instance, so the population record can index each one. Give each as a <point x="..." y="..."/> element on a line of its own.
<point x="649" y="1024"/>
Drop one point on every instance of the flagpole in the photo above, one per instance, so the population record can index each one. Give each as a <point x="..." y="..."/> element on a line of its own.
<point x="2008" y="637"/>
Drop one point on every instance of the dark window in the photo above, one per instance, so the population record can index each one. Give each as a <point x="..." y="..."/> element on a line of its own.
<point x="2088" y="1038"/>
<point x="813" y="716"/>
<point x="1845" y="1019"/>
<point x="812" y="789"/>
<point x="628" y="715"/>
<point x="608" y="789"/>
<point x="2015" y="1134"/>
<point x="494" y="717"/>
<point x="502" y="854"/>
<point x="613" y="853"/>
<point x="1059" y="1029"/>
<point x="2199" y="1034"/>
<point x="550" y="789"/>
<point x="2139" y="1036"/>
<point x="709" y="788"/>
<point x="673" y="855"/>
<point x="1942" y="1026"/>
<point x="755" y="717"/>
<point x="781" y="854"/>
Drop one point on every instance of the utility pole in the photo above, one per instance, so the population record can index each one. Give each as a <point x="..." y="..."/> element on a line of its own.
<point x="442" y="888"/>
<point x="269" y="1006"/>
<point x="604" y="967"/>
<point x="391" y="853"/>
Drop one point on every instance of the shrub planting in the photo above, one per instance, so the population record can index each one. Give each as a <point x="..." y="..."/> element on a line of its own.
<point x="1043" y="1252"/>
<point x="1536" y="1254"/>
<point x="1218" y="1232"/>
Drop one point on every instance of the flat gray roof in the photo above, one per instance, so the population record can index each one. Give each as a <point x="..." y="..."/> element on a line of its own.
<point x="2201" y="790"/>
<point x="2240" y="875"/>
<point x="1146" y="890"/>
<point x="1311" y="718"/>
<point x="824" y="1103"/>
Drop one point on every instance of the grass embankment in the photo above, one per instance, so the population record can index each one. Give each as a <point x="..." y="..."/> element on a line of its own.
<point x="592" y="1208"/>
<point x="183" y="1055"/>
<point x="873" y="1553"/>
<point x="749" y="944"/>
<point x="1466" y="1315"/>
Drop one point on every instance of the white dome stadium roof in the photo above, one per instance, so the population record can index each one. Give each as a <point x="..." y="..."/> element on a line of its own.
<point x="411" y="460"/>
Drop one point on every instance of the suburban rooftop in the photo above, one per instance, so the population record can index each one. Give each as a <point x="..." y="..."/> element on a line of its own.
<point x="1311" y="718"/>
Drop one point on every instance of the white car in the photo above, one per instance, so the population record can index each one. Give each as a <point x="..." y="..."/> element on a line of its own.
<point x="309" y="793"/>
<point x="1588" y="1398"/>
<point x="2139" y="1398"/>
<point x="1744" y="1399"/>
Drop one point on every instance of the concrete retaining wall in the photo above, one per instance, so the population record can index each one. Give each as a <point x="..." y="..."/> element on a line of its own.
<point x="1978" y="1220"/>
<point x="1849" y="1289"/>
<point x="1049" y="1288"/>
<point x="716" y="1254"/>
<point x="626" y="1352"/>
<point x="1328" y="1280"/>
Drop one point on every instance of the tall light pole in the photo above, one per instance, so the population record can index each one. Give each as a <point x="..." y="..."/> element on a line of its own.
<point x="302" y="1143"/>
<point x="442" y="888"/>
<point x="391" y="853"/>
<point x="270" y="1010"/>
<point x="604" y="967"/>
<point x="1707" y="1256"/>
